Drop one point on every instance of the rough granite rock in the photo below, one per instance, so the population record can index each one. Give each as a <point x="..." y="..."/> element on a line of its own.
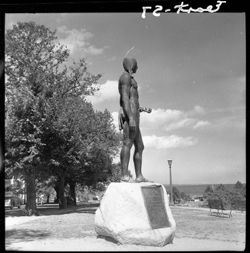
<point x="123" y="216"/>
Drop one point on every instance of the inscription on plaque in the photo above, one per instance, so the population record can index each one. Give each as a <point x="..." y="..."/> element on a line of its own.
<point x="155" y="206"/>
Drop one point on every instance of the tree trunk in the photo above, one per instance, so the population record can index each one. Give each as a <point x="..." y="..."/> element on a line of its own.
<point x="61" y="198"/>
<point x="56" y="187"/>
<point x="72" y="186"/>
<point x="31" y="192"/>
<point x="48" y="198"/>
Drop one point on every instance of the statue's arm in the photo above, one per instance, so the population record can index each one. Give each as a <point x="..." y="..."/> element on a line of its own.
<point x="124" y="88"/>
<point x="145" y="109"/>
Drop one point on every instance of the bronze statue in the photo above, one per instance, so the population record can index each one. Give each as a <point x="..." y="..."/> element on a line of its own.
<point x="129" y="121"/>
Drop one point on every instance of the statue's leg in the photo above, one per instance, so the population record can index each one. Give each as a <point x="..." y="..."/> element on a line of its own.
<point x="125" y="152"/>
<point x="138" y="157"/>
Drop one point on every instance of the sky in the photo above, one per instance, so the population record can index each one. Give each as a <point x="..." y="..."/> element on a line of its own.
<point x="191" y="72"/>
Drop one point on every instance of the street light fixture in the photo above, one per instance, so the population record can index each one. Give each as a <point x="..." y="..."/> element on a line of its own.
<point x="171" y="188"/>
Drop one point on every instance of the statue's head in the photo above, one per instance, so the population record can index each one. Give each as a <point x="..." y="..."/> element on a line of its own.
<point x="130" y="65"/>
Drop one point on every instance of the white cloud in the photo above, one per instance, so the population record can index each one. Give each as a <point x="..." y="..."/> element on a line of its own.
<point x="168" y="120"/>
<point x="161" y="142"/>
<point x="164" y="119"/>
<point x="201" y="124"/>
<point x="161" y="116"/>
<point x="94" y="50"/>
<point x="78" y="41"/>
<point x="166" y="142"/>
<point x="108" y="90"/>
<point x="198" y="109"/>
<point x="180" y="123"/>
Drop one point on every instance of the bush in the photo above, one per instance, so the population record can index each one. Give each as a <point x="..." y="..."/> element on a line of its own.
<point x="218" y="201"/>
<point x="238" y="201"/>
<point x="30" y="212"/>
<point x="185" y="197"/>
<point x="208" y="190"/>
<point x="100" y="186"/>
<point x="233" y="199"/>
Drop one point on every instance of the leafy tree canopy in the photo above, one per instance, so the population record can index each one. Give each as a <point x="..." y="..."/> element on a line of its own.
<point x="50" y="127"/>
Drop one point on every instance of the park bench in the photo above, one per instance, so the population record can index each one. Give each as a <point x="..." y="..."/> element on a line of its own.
<point x="220" y="208"/>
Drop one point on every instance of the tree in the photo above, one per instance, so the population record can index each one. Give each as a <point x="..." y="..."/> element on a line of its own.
<point x="230" y="198"/>
<point x="32" y="66"/>
<point x="185" y="196"/>
<point x="238" y="185"/>
<point x="241" y="188"/>
<point x="22" y="144"/>
<point x="220" y="187"/>
<point x="38" y="86"/>
<point x="116" y="173"/>
<point x="208" y="191"/>
<point x="176" y="194"/>
<point x="88" y="141"/>
<point x="238" y="196"/>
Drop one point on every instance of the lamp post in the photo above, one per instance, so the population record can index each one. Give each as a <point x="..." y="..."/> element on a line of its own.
<point x="171" y="188"/>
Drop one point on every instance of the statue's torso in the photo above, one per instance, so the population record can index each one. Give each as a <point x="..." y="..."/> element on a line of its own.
<point x="134" y="99"/>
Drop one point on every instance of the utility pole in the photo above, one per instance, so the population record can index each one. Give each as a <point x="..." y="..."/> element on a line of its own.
<point x="171" y="187"/>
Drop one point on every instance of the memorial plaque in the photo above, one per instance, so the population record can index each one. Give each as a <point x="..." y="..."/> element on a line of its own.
<point x="154" y="202"/>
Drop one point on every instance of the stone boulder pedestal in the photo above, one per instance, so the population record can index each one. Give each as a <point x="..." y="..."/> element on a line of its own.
<point x="136" y="213"/>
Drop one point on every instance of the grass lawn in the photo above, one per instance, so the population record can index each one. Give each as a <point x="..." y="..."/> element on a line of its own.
<point x="77" y="223"/>
<point x="199" y="224"/>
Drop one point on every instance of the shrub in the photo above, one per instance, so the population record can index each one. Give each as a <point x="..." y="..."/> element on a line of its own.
<point x="228" y="199"/>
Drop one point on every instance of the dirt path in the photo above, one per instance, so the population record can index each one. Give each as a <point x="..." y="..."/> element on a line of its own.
<point x="91" y="243"/>
<point x="73" y="230"/>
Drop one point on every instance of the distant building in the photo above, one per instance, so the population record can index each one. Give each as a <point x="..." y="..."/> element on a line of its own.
<point x="197" y="198"/>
